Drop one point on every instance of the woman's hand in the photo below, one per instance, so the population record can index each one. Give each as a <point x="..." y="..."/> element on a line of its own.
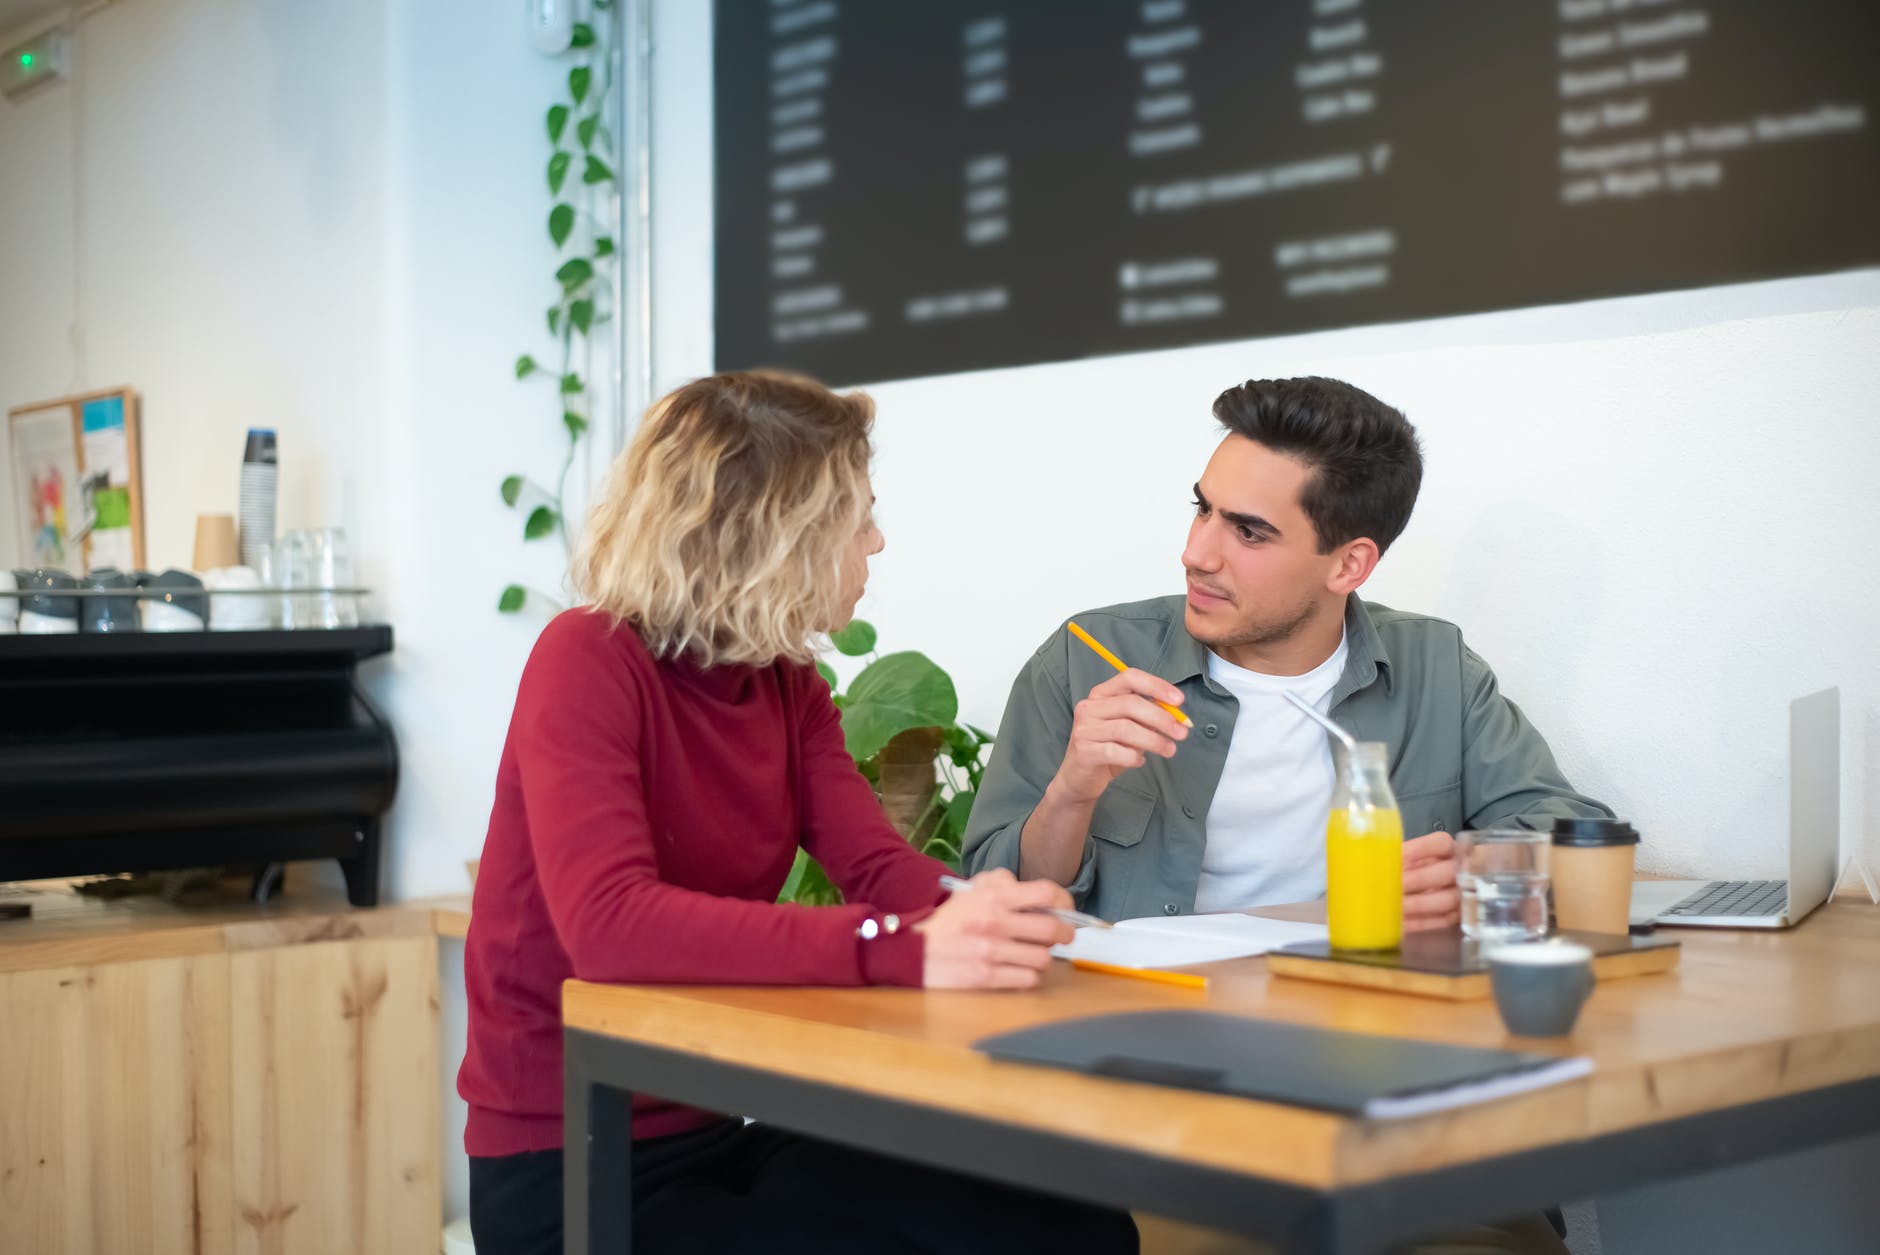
<point x="996" y="935"/>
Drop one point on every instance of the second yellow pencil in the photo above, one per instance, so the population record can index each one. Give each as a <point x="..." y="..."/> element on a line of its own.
<point x="1188" y="980"/>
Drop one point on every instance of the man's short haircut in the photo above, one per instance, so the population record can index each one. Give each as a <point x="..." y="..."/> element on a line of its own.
<point x="1365" y="462"/>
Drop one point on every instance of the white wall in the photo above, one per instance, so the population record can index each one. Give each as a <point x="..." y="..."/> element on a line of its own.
<point x="1654" y="516"/>
<point x="197" y="214"/>
<point x="329" y="219"/>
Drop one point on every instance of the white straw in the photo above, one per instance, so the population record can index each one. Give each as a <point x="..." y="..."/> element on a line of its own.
<point x="1321" y="720"/>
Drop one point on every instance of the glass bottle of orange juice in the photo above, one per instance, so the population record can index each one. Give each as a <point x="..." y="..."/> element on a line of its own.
<point x="1364" y="854"/>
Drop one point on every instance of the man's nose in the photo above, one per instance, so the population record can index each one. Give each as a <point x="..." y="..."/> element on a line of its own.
<point x="1199" y="553"/>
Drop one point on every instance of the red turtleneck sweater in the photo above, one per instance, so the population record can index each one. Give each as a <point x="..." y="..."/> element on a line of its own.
<point x="647" y="813"/>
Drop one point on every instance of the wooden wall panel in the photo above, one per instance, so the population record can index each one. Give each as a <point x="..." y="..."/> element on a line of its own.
<point x="335" y="1098"/>
<point x="114" y="1109"/>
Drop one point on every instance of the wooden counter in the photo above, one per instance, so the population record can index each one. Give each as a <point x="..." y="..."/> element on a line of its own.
<point x="219" y="1077"/>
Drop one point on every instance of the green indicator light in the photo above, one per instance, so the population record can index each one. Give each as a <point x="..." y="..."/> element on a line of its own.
<point x="26" y="60"/>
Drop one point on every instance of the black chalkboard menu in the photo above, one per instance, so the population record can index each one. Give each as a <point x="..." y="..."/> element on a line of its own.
<point x="912" y="187"/>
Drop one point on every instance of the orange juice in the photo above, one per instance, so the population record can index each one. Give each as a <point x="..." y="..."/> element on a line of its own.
<point x="1364" y="878"/>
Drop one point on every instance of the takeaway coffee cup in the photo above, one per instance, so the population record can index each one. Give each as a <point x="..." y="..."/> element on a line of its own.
<point x="1592" y="869"/>
<point x="1540" y="986"/>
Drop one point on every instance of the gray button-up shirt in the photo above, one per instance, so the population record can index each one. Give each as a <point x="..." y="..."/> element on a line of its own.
<point x="1461" y="754"/>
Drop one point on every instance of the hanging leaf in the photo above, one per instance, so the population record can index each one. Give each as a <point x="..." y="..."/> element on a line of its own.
<point x="892" y="695"/>
<point x="574" y="423"/>
<point x="827" y="672"/>
<point x="603" y="246"/>
<point x="581" y="315"/>
<point x="512" y="488"/>
<point x="570" y="383"/>
<point x="578" y="80"/>
<point x="583" y="36"/>
<point x="558" y="172"/>
<point x="595" y="171"/>
<point x="560" y="223"/>
<point x="554" y="320"/>
<point x="856" y="639"/>
<point x="584" y="129"/>
<point x="525" y="365"/>
<point x="575" y="272"/>
<point x="541" y="523"/>
<point x="512" y="599"/>
<point x="557" y="122"/>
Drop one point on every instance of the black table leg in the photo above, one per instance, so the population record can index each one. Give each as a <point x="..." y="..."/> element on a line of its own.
<point x="597" y="1159"/>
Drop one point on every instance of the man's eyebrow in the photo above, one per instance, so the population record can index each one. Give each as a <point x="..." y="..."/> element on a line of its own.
<point x="1252" y="522"/>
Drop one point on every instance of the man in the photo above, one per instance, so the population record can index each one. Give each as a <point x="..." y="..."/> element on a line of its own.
<point x="1095" y="786"/>
<point x="1138" y="815"/>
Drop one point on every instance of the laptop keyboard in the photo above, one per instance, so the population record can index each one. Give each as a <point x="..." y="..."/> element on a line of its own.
<point x="1736" y="897"/>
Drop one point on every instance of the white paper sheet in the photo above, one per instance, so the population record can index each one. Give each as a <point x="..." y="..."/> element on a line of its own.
<point x="1160" y="941"/>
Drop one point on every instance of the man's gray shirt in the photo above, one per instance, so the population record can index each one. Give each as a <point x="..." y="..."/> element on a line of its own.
<point x="1461" y="755"/>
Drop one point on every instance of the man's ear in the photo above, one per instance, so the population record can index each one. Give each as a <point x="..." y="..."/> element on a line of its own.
<point x="1353" y="563"/>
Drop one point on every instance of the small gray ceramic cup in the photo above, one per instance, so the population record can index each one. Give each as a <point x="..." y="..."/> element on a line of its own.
<point x="45" y="611"/>
<point x="109" y="614"/>
<point x="1540" y="986"/>
<point x="175" y="602"/>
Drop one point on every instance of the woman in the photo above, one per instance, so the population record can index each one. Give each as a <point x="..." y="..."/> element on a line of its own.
<point x="672" y="746"/>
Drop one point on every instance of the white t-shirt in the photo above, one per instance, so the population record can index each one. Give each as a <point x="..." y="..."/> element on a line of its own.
<point x="1266" y="826"/>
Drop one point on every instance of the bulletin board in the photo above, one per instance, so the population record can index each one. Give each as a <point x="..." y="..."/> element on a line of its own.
<point x="77" y="482"/>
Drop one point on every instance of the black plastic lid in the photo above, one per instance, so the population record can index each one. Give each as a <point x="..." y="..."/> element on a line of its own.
<point x="1592" y="832"/>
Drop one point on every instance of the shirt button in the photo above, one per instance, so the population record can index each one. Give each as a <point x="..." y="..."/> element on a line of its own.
<point x="1188" y="811"/>
<point x="1169" y="908"/>
<point x="1211" y="730"/>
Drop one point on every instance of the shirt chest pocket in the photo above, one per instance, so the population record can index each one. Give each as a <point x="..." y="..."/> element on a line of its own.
<point x="1122" y="816"/>
<point x="1431" y="810"/>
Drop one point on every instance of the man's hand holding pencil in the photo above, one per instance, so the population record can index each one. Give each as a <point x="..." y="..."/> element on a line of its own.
<point x="1124" y="719"/>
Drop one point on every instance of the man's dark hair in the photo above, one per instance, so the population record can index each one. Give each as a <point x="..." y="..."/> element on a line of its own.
<point x="1365" y="461"/>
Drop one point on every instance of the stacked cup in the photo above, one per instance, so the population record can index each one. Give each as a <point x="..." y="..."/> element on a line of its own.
<point x="259" y="475"/>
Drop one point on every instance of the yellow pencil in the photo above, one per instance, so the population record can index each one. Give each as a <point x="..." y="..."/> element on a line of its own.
<point x="1186" y="979"/>
<point x="1118" y="663"/>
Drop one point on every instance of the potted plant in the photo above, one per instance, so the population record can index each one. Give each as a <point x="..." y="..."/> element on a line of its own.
<point x="900" y="721"/>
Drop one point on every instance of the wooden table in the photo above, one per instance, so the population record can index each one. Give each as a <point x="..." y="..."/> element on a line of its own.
<point x="1758" y="1044"/>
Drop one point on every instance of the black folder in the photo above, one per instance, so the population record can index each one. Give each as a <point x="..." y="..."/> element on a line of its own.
<point x="1327" y="1069"/>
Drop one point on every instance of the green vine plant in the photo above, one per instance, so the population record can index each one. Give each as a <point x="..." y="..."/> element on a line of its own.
<point x="581" y="148"/>
<point x="900" y="723"/>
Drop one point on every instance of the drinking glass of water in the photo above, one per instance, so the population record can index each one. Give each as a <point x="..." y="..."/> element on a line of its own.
<point x="1502" y="873"/>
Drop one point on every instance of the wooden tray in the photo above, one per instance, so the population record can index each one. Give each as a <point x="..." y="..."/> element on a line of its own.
<point x="1449" y="965"/>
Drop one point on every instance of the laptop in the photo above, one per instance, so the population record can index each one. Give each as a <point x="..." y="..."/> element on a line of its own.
<point x="1814" y="841"/>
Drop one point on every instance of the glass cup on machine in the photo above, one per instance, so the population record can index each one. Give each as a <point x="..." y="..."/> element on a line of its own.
<point x="1502" y="876"/>
<point x="331" y="561"/>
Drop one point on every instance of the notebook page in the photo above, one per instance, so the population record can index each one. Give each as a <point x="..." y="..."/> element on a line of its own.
<point x="1159" y="941"/>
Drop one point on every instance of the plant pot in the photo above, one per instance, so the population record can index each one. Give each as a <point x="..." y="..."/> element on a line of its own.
<point x="909" y="782"/>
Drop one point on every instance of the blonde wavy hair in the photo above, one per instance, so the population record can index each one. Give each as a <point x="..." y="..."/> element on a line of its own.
<point x="721" y="528"/>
